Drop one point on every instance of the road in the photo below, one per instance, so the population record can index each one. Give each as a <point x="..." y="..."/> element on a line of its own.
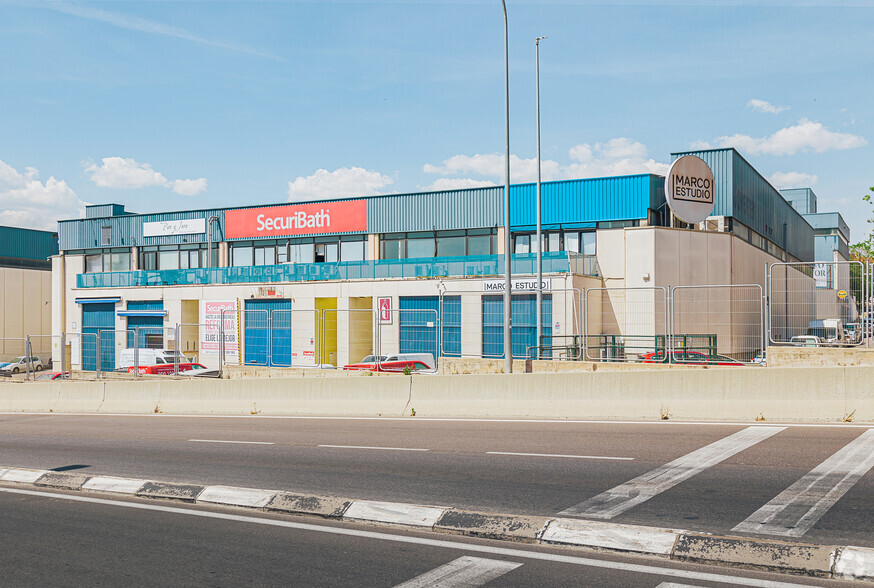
<point x="716" y="478"/>
<point x="66" y="539"/>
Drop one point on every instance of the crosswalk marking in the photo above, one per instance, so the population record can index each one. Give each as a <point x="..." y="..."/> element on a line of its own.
<point x="795" y="510"/>
<point x="625" y="496"/>
<point x="464" y="572"/>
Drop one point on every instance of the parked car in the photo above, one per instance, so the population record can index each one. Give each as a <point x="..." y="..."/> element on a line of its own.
<point x="760" y="358"/>
<point x="829" y="331"/>
<point x="417" y="362"/>
<point x="854" y="333"/>
<point x="51" y="375"/>
<point x="687" y="357"/>
<point x="805" y="341"/>
<point x="166" y="369"/>
<point x="19" y="364"/>
<point x="148" y="357"/>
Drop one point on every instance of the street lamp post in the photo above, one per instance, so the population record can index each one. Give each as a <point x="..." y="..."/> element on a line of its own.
<point x="539" y="304"/>
<point x="508" y="328"/>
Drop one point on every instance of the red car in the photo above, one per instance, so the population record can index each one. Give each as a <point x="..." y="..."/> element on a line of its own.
<point x="686" y="357"/>
<point x="166" y="369"/>
<point x="51" y="375"/>
<point x="395" y="364"/>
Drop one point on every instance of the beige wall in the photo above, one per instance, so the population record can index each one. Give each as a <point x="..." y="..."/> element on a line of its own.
<point x="25" y="304"/>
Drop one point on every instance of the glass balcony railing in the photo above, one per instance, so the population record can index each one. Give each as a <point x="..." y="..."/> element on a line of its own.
<point x="430" y="267"/>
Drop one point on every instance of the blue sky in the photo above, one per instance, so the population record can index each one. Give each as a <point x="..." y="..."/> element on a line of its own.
<point x="181" y="105"/>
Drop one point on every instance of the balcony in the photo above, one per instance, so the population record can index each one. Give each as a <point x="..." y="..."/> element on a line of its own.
<point x="432" y="267"/>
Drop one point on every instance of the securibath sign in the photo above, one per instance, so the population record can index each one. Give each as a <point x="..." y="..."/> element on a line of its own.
<point x="315" y="218"/>
<point x="689" y="189"/>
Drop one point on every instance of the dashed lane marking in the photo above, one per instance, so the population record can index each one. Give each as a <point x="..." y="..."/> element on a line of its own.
<point x="227" y="441"/>
<point x="637" y="491"/>
<point x="794" y="511"/>
<point x="559" y="455"/>
<point x="369" y="447"/>
<point x="467" y="571"/>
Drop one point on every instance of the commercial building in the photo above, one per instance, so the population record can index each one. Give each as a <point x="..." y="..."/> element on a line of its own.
<point x="25" y="290"/>
<point x="329" y="282"/>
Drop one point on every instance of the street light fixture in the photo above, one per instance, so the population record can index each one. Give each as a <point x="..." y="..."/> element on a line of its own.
<point x="539" y="304"/>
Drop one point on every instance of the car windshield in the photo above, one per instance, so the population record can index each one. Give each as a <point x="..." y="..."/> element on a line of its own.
<point x="18" y="359"/>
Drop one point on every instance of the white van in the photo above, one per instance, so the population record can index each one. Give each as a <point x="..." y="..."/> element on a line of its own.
<point x="148" y="357"/>
<point x="829" y="331"/>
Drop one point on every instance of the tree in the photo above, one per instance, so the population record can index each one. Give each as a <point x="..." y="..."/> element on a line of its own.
<point x="864" y="250"/>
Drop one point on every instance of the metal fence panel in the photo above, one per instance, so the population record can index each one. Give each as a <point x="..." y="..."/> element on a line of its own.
<point x="347" y="336"/>
<point x="716" y="323"/>
<point x="294" y="335"/>
<point x="626" y="324"/>
<point x="407" y="331"/>
<point x="818" y="300"/>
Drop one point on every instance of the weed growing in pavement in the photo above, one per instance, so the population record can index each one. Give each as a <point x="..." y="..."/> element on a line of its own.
<point x="664" y="413"/>
<point x="848" y="418"/>
<point x="761" y="417"/>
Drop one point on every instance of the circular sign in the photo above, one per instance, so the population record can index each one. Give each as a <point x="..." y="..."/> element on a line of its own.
<point x="689" y="189"/>
<point x="842" y="294"/>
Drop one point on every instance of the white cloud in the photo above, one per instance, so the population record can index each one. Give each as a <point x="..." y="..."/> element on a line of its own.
<point x="807" y="135"/>
<point x="27" y="202"/>
<point x="783" y="180"/>
<point x="766" y="107"/>
<point x="189" y="187"/>
<point x="340" y="183"/>
<point x="615" y="157"/>
<point x="126" y="173"/>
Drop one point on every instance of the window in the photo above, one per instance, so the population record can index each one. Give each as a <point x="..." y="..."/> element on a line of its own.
<point x="94" y="263"/>
<point x="119" y="261"/>
<point x="352" y="250"/>
<point x="301" y="253"/>
<point x="523" y="244"/>
<point x="450" y="243"/>
<point x="441" y="243"/>
<point x="106" y="236"/>
<point x="420" y="245"/>
<point x="553" y="241"/>
<point x="241" y="254"/>
<point x="618" y="224"/>
<point x="589" y="242"/>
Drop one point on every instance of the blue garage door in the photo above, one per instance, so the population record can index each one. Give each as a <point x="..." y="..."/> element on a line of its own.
<point x="418" y="337"/>
<point x="524" y="320"/>
<point x="147" y="332"/>
<point x="98" y="319"/>
<point x="267" y="342"/>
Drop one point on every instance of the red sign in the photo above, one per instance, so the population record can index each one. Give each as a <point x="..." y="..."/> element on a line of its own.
<point x="384" y="310"/>
<point x="299" y="219"/>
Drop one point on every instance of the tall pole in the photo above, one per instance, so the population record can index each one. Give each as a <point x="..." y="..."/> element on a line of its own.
<point x="508" y="282"/>
<point x="539" y="304"/>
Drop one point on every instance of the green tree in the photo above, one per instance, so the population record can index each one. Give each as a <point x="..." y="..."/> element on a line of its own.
<point x="864" y="250"/>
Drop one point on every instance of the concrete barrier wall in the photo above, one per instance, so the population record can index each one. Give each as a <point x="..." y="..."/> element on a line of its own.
<point x="788" y="356"/>
<point x="774" y="394"/>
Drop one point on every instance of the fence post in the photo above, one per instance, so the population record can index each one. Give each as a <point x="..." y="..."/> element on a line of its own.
<point x="176" y="351"/>
<point x="63" y="355"/>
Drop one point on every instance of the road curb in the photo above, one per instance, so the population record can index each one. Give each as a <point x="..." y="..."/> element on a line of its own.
<point x="828" y="561"/>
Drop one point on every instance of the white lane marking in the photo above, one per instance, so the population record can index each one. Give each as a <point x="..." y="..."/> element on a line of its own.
<point x="466" y="572"/>
<point x="368" y="447"/>
<point x="611" y="536"/>
<point x="23" y="476"/>
<point x="856" y="563"/>
<point x="225" y="441"/>
<point x="235" y="496"/>
<point x="394" y="512"/>
<point x="112" y="484"/>
<point x="794" y="511"/>
<point x="438" y="543"/>
<point x="559" y="455"/>
<point x="674" y="585"/>
<point x="628" y="495"/>
<point x="660" y="423"/>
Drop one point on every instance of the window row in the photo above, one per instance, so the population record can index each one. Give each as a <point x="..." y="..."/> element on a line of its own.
<point x="584" y="242"/>
<point x="312" y="250"/>
<point x="438" y="244"/>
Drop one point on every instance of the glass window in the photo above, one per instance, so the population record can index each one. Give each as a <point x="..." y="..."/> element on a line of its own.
<point x="450" y="246"/>
<point x="553" y="241"/>
<point x="105" y="235"/>
<point x="120" y="262"/>
<point x="420" y="245"/>
<point x="393" y="248"/>
<point x="150" y="260"/>
<point x="265" y="255"/>
<point x="282" y="253"/>
<point x="300" y="253"/>
<point x="168" y="260"/>
<point x="523" y="244"/>
<point x="589" y="242"/>
<point x="241" y="255"/>
<point x="94" y="263"/>
<point x="479" y="245"/>
<point x="572" y="242"/>
<point x="352" y="250"/>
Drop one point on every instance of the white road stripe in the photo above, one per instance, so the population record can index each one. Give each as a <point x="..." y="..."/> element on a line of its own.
<point x="224" y="441"/>
<point x="794" y="511"/>
<point x="675" y="585"/>
<point x="559" y="455"/>
<point x="367" y="447"/>
<point x="467" y="572"/>
<point x="438" y="543"/>
<point x="628" y="495"/>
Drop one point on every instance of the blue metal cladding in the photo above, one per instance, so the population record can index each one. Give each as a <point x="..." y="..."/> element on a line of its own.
<point x="415" y="334"/>
<point x="586" y="201"/>
<point x="104" y="210"/>
<point x="802" y="199"/>
<point x="523" y="308"/>
<point x="267" y="334"/>
<point x="430" y="211"/>
<point x="127" y="230"/>
<point x="21" y="243"/>
<point x="98" y="324"/>
<point x="742" y="193"/>
<point x="143" y="326"/>
<point x="829" y="221"/>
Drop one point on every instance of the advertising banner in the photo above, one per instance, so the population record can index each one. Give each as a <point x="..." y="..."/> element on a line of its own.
<point x="210" y="319"/>
<point x="316" y="218"/>
<point x="519" y="285"/>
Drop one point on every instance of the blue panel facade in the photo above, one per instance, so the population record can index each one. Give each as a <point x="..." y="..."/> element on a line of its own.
<point x="98" y="324"/>
<point x="430" y="211"/>
<point x="415" y="334"/>
<point x="27" y="243"/>
<point x="146" y="332"/>
<point x="802" y="199"/>
<point x="267" y="343"/>
<point x="524" y="320"/>
<point x="450" y="321"/>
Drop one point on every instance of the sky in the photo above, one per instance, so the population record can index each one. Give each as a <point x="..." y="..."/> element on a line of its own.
<point x="179" y="105"/>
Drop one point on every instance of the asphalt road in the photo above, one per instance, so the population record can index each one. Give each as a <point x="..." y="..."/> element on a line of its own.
<point x="49" y="539"/>
<point x="466" y="464"/>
